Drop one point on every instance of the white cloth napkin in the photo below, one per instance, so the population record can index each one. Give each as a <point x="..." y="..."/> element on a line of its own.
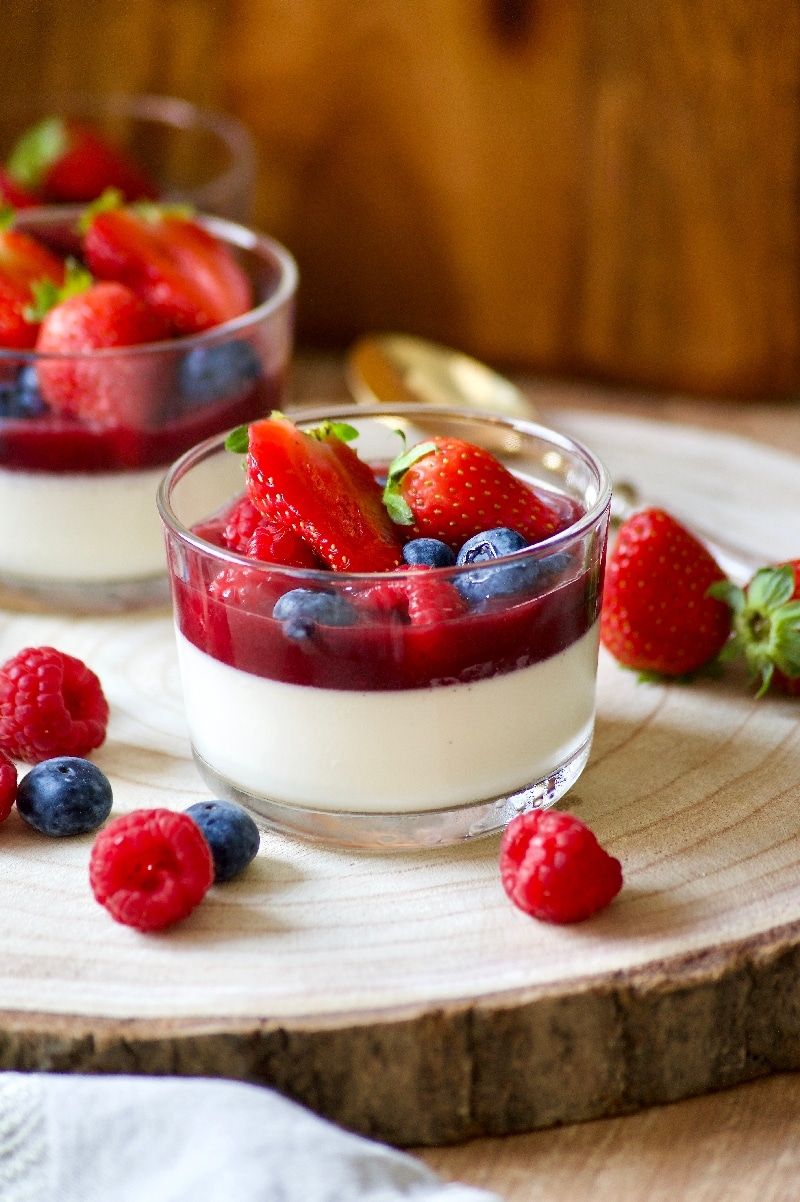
<point x="74" y="1138"/>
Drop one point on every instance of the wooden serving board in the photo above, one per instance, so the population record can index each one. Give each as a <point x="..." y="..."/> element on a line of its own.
<point x="402" y="995"/>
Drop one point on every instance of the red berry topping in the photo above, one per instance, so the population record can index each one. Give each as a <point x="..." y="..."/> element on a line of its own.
<point x="273" y="541"/>
<point x="317" y="486"/>
<point x="50" y="704"/>
<point x="553" y="868"/>
<point x="242" y="521"/>
<point x="8" y="786"/>
<point x="24" y="263"/>
<point x="418" y="595"/>
<point x="122" y="391"/>
<point x="189" y="276"/>
<point x="657" y="615"/>
<point x="246" y="589"/>
<point x="450" y="490"/>
<point x="150" y="868"/>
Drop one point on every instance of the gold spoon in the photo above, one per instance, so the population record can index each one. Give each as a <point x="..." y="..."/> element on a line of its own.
<point x="390" y="368"/>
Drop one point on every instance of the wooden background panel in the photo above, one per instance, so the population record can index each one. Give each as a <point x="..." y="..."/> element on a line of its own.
<point x="583" y="189"/>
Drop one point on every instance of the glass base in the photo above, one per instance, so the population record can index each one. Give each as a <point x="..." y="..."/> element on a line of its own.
<point x="404" y="831"/>
<point x="84" y="597"/>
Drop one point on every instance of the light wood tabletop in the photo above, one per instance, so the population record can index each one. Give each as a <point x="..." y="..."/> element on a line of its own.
<point x="737" y="1145"/>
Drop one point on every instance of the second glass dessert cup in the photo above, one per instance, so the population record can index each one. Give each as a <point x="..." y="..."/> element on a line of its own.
<point x="380" y="732"/>
<point x="85" y="534"/>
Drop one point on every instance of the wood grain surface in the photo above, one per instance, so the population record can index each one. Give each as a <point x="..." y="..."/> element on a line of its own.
<point x="598" y="190"/>
<point x="402" y="995"/>
<point x="737" y="1146"/>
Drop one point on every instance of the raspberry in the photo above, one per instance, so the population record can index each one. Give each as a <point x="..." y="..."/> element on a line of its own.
<point x="242" y="521"/>
<point x="274" y="542"/>
<point x="552" y="867"/>
<point x="50" y="704"/>
<point x="417" y="596"/>
<point x="8" y="786"/>
<point x="150" y="868"/>
<point x="248" y="589"/>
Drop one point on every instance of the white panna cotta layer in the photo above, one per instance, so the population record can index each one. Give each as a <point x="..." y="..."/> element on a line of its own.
<point x="80" y="527"/>
<point x="395" y="751"/>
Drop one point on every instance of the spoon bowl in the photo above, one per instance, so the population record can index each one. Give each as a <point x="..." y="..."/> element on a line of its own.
<point x="396" y="368"/>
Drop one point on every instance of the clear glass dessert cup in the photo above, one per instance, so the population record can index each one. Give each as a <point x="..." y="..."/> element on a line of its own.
<point x="194" y="155"/>
<point x="82" y="531"/>
<point x="386" y="733"/>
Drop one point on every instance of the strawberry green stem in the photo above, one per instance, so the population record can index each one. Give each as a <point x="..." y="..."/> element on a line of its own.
<point x="397" y="507"/>
<point x="765" y="624"/>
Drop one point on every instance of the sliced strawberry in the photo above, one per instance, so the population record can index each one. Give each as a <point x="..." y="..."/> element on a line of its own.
<point x="23" y="263"/>
<point x="186" y="274"/>
<point x="119" y="391"/>
<point x="657" y="614"/>
<point x="324" y="492"/>
<point x="766" y="626"/>
<point x="12" y="193"/>
<point x="451" y="490"/>
<point x="70" y="161"/>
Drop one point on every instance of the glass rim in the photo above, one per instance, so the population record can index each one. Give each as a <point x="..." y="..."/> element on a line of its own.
<point x="232" y="232"/>
<point x="204" y="450"/>
<point x="169" y="110"/>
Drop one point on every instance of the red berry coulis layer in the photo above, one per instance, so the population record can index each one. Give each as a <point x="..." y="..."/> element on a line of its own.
<point x="59" y="444"/>
<point x="381" y="651"/>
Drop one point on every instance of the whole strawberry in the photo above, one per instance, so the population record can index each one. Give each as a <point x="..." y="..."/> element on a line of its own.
<point x="124" y="390"/>
<point x="657" y="615"/>
<point x="64" y="160"/>
<point x="766" y="626"/>
<point x="450" y="490"/>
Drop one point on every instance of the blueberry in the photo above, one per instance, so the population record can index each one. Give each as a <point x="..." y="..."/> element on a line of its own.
<point x="429" y="551"/>
<point x="209" y="373"/>
<point x="230" y="833"/>
<point x="504" y="580"/>
<point x="21" y="397"/>
<point x="553" y="564"/>
<point x="64" y="796"/>
<point x="301" y="607"/>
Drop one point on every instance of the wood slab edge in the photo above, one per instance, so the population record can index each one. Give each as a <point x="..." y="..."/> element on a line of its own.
<point x="497" y="1065"/>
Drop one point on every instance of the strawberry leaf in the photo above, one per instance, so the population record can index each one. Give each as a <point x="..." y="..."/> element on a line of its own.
<point x="398" y="509"/>
<point x="36" y="151"/>
<point x="238" y="440"/>
<point x="730" y="593"/>
<point x="108" y="200"/>
<point x="396" y="505"/>
<point x="770" y="588"/>
<point x="47" y="294"/>
<point x="153" y="211"/>
<point x="340" y="430"/>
